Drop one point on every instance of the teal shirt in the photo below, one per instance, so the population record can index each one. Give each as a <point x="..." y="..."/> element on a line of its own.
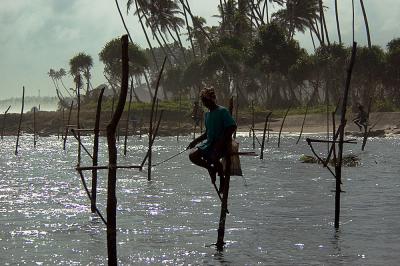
<point x="216" y="121"/>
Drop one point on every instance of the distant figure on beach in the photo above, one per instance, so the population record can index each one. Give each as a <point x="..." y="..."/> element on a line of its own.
<point x="362" y="117"/>
<point x="220" y="126"/>
<point x="196" y="113"/>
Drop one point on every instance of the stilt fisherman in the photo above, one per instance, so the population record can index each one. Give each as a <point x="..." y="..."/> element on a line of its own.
<point x="215" y="142"/>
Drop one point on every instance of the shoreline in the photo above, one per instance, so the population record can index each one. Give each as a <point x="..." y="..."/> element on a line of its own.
<point x="51" y="123"/>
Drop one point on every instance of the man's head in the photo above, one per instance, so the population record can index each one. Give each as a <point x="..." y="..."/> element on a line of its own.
<point x="208" y="98"/>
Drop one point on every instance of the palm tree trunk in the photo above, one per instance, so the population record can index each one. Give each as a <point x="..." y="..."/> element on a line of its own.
<point x="147" y="37"/>
<point x="62" y="83"/>
<point x="337" y="22"/>
<point x="165" y="42"/>
<point x="366" y="23"/>
<point x="181" y="44"/>
<point x="266" y="10"/>
<point x="321" y="20"/>
<point x="148" y="84"/>
<point x="326" y="29"/>
<point x="188" y="30"/>
<point x="222" y="12"/>
<point x="352" y="8"/>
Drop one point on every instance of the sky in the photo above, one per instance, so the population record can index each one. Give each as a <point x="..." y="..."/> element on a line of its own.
<point x="42" y="34"/>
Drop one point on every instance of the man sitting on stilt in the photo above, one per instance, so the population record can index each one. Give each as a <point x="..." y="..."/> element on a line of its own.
<point x="219" y="129"/>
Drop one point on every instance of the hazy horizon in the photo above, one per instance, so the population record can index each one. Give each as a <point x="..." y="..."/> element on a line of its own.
<point x="43" y="34"/>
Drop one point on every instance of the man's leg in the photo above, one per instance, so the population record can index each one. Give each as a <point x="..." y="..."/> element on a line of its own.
<point x="196" y="157"/>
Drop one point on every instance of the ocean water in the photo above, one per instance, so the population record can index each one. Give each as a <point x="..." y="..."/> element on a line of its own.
<point x="281" y="211"/>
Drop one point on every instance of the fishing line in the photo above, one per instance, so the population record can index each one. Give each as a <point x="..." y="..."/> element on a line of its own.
<point x="170" y="158"/>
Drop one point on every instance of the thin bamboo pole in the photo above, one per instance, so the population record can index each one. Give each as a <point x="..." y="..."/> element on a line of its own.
<point x="20" y="121"/>
<point x="127" y="117"/>
<point x="179" y="116"/>
<point x="34" y="127"/>
<point x="338" y="166"/>
<point x="269" y="128"/>
<point x="253" y="124"/>
<point x="263" y="138"/>
<point x="112" y="156"/>
<point x="67" y="125"/>
<point x="4" y="122"/>
<point x="283" y="122"/>
<point x="302" y="125"/>
<point x="366" y="131"/>
<point x="236" y="111"/>
<point x="96" y="152"/>
<point x="151" y="120"/>
<point x="78" y="126"/>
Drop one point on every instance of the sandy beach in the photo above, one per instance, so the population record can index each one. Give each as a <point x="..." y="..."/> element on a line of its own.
<point x="317" y="123"/>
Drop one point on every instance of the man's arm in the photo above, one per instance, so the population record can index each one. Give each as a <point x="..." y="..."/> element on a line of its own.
<point x="197" y="140"/>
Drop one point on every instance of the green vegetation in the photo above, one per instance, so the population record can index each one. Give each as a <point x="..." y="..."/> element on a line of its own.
<point x="251" y="55"/>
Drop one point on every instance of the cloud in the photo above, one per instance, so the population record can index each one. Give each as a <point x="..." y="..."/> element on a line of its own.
<point x="37" y="35"/>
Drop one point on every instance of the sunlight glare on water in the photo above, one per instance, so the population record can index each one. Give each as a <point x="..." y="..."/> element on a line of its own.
<point x="281" y="210"/>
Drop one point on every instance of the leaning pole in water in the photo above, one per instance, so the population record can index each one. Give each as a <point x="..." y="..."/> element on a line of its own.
<point x="338" y="166"/>
<point x="338" y="159"/>
<point x="112" y="156"/>
<point x="96" y="152"/>
<point x="152" y="133"/>
<point x="67" y="126"/>
<point x="4" y="122"/>
<point x="20" y="121"/>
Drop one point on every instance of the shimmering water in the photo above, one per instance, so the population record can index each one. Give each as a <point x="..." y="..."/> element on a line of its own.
<point x="281" y="211"/>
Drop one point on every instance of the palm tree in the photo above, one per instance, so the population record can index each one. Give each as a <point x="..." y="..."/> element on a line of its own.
<point x="52" y="74"/>
<point x="297" y="16"/>
<point x="142" y="7"/>
<point x="164" y="15"/>
<point x="129" y="4"/>
<point x="198" y="36"/>
<point x="59" y="76"/>
<point x="110" y="55"/>
<point x="81" y="64"/>
<point x="188" y="27"/>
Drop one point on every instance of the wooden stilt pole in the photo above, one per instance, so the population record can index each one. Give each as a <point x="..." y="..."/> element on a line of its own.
<point x="4" y="122"/>
<point x="78" y="126"/>
<point x="20" y="120"/>
<point x="68" y="123"/>
<point x="151" y="121"/>
<point x="96" y="152"/>
<point x="34" y="127"/>
<point x="338" y="166"/>
<point x="112" y="155"/>
<point x="62" y="123"/>
<point x="302" y="125"/>
<point x="236" y="112"/>
<point x="127" y="117"/>
<point x="224" y="203"/>
<point x="253" y="124"/>
<point x="263" y="139"/>
<point x="283" y="122"/>
<point x="366" y="131"/>
<point x="269" y="128"/>
<point x="179" y="118"/>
